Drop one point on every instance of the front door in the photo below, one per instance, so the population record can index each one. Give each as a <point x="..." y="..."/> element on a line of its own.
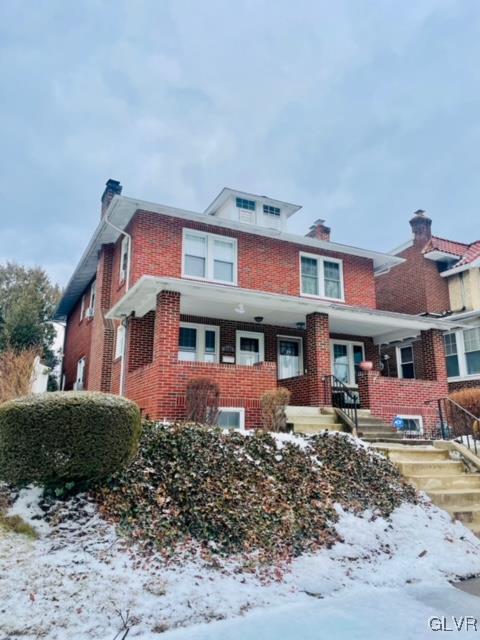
<point x="250" y="347"/>
<point x="289" y="357"/>
<point x="346" y="358"/>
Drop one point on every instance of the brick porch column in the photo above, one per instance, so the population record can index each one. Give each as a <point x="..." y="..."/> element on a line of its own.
<point x="433" y="352"/>
<point x="167" y="327"/>
<point x="318" y="357"/>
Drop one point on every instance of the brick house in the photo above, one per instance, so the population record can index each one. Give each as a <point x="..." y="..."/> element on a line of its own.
<point x="163" y="295"/>
<point x="438" y="278"/>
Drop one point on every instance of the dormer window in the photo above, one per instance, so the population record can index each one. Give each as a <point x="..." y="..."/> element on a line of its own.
<point x="248" y="205"/>
<point x="271" y="211"/>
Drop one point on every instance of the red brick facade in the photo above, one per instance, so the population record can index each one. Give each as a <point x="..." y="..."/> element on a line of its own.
<point x="151" y="372"/>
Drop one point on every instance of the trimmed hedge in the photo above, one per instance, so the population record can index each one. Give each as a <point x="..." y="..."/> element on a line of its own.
<point x="63" y="437"/>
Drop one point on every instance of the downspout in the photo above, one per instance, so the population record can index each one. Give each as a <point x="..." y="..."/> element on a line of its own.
<point x="122" y="232"/>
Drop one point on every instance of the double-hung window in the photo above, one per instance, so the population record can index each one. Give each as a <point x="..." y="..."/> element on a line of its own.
<point x="405" y="362"/>
<point x="123" y="260"/>
<point x="471" y="338"/>
<point x="210" y="257"/>
<point x="451" y="355"/>
<point x="198" y="343"/>
<point x="321" y="277"/>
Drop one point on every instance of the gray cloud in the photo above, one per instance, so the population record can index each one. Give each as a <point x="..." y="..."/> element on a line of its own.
<point x="360" y="111"/>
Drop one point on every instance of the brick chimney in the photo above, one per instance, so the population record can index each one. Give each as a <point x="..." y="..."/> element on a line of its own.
<point x="319" y="231"/>
<point x="421" y="228"/>
<point x="112" y="188"/>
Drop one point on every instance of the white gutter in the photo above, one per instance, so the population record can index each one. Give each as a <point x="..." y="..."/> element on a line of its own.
<point x="127" y="284"/>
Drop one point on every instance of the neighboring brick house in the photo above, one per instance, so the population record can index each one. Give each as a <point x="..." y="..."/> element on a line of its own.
<point x="163" y="295"/>
<point x="439" y="278"/>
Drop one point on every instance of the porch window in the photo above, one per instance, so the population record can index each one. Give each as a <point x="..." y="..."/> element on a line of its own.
<point x="210" y="257"/>
<point x="321" y="277"/>
<point x="198" y="343"/>
<point x="451" y="355"/>
<point x="472" y="350"/>
<point x="405" y="362"/>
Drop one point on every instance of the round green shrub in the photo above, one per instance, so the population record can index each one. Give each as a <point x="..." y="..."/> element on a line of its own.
<point x="62" y="437"/>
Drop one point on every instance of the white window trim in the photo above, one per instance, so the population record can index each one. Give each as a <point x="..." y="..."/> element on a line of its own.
<point x="240" y="410"/>
<point x="321" y="278"/>
<point x="123" y="251"/>
<point x="398" y="354"/>
<point x="300" y="354"/>
<point x="409" y="417"/>
<point x="251" y="334"/>
<point x="93" y="295"/>
<point x="119" y="341"/>
<point x="82" y="307"/>
<point x="81" y="362"/>
<point x="211" y="237"/>
<point x="350" y="344"/>
<point x="462" y="359"/>
<point x="200" y="351"/>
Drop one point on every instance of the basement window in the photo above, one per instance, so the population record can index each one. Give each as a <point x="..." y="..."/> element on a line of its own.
<point x="412" y="424"/>
<point x="231" y="418"/>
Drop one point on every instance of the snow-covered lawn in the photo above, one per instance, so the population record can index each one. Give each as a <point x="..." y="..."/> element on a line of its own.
<point x="78" y="581"/>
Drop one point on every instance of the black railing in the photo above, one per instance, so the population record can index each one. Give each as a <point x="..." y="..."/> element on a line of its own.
<point x="457" y="423"/>
<point x="343" y="398"/>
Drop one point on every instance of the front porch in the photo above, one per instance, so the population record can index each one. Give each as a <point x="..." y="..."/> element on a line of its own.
<point x="250" y="342"/>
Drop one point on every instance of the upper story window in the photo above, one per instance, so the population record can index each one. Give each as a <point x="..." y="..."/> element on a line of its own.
<point x="209" y="257"/>
<point x="93" y="295"/>
<point x="321" y="277"/>
<point x="82" y="307"/>
<point x="242" y="203"/>
<point x="123" y="260"/>
<point x="271" y="211"/>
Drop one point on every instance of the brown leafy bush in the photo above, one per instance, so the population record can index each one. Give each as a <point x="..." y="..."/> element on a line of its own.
<point x="469" y="399"/>
<point x="202" y="401"/>
<point x="16" y="369"/>
<point x="274" y="402"/>
<point x="240" y="493"/>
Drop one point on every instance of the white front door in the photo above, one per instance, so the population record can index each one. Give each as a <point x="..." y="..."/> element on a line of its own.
<point x="290" y="357"/>
<point x="346" y="357"/>
<point x="250" y="347"/>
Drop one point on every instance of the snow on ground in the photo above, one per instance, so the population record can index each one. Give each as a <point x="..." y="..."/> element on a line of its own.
<point x="78" y="581"/>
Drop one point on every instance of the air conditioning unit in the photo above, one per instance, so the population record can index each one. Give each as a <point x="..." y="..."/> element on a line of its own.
<point x="90" y="312"/>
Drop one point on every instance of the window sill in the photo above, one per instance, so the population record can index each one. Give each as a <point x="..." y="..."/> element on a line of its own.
<point x="472" y="377"/>
<point x="198" y="279"/>
<point x="311" y="296"/>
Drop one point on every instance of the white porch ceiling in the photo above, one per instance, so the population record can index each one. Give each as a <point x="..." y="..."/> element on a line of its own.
<point x="222" y="302"/>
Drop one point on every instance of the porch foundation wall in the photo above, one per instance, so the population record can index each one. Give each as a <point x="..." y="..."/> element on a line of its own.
<point x="390" y="397"/>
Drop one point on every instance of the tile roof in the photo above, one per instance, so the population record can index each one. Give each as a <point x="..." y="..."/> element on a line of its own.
<point x="448" y="246"/>
<point x="471" y="254"/>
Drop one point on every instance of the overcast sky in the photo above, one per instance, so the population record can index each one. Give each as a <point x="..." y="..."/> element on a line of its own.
<point x="361" y="111"/>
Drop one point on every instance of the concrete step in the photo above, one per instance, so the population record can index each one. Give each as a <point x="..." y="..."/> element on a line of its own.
<point x="377" y="435"/>
<point x="372" y="422"/>
<point x="293" y="410"/>
<point x="316" y="428"/>
<point x="460" y="481"/>
<point x="416" y="454"/>
<point x="470" y="516"/>
<point x="318" y="419"/>
<point x="376" y="429"/>
<point x="448" y="498"/>
<point x="429" y="469"/>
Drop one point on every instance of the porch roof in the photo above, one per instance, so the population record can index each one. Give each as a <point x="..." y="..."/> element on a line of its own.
<point x="210" y="300"/>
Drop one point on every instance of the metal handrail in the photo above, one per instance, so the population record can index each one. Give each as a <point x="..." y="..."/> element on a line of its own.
<point x="338" y="390"/>
<point x="456" y="422"/>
